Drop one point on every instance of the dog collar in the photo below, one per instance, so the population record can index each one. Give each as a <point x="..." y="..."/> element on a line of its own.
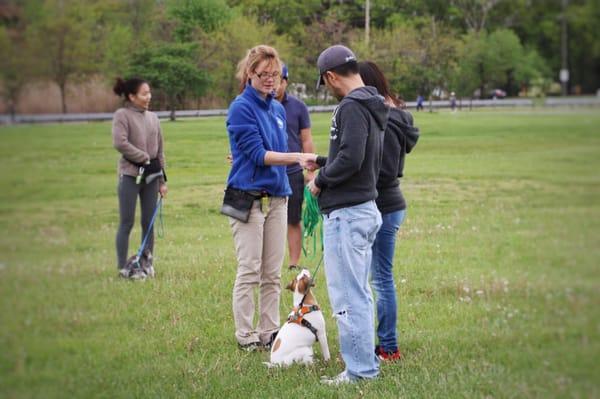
<point x="298" y="313"/>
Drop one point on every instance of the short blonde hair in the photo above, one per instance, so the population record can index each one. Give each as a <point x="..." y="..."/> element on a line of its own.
<point x="253" y="58"/>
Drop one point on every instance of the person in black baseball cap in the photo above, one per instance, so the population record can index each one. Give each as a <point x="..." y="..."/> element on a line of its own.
<point x="346" y="189"/>
<point x="333" y="57"/>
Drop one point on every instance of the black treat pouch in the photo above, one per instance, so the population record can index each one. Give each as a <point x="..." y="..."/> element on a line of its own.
<point x="237" y="204"/>
<point x="152" y="167"/>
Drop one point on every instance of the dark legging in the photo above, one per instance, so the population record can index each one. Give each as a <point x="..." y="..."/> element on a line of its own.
<point x="128" y="193"/>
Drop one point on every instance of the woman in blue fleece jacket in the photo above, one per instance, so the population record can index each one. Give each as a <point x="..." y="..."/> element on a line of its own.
<point x="256" y="126"/>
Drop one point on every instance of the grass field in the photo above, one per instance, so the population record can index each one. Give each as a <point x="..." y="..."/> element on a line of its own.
<point x="497" y="267"/>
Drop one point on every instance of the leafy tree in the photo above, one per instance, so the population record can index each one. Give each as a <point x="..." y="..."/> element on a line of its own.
<point x="486" y="61"/>
<point x="172" y="69"/>
<point x="416" y="13"/>
<point x="14" y="67"/>
<point x="503" y="55"/>
<point x="415" y="61"/>
<point x="311" y="39"/>
<point x="289" y="17"/>
<point x="118" y="46"/>
<point x="495" y="60"/>
<point x="471" y="73"/>
<point x="459" y="45"/>
<point x="63" y="37"/>
<point x="530" y="69"/>
<point x="584" y="47"/>
<point x="474" y="12"/>
<point x="192" y="15"/>
<point x="227" y="46"/>
<point x="138" y="15"/>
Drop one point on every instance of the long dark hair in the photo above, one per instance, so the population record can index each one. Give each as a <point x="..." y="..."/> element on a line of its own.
<point x="125" y="87"/>
<point x="372" y="76"/>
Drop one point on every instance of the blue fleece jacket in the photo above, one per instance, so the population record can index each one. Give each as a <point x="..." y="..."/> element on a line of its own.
<point x="255" y="126"/>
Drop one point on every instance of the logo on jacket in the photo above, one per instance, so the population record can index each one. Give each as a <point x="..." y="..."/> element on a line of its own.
<point x="280" y="123"/>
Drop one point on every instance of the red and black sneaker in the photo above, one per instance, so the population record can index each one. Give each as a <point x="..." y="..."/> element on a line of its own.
<point x="386" y="356"/>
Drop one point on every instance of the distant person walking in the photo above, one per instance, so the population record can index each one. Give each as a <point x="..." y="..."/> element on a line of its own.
<point x="256" y="195"/>
<point x="400" y="138"/>
<point x="299" y="138"/>
<point x="138" y="137"/>
<point x="346" y="189"/>
<point x="453" y="101"/>
<point x="420" y="100"/>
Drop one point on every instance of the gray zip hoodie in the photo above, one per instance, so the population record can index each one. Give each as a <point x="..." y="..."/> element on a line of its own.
<point x="138" y="137"/>
<point x="349" y="174"/>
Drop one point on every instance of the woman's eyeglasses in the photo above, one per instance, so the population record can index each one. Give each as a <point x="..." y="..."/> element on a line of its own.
<point x="266" y="75"/>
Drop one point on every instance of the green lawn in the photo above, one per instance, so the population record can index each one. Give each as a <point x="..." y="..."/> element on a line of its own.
<point x="497" y="267"/>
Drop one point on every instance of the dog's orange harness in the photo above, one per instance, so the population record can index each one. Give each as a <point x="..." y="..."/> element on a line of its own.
<point x="297" y="316"/>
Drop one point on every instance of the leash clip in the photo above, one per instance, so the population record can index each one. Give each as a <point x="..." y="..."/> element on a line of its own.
<point x="138" y="178"/>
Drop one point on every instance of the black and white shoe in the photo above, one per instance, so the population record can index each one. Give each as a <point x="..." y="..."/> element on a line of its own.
<point x="251" y="347"/>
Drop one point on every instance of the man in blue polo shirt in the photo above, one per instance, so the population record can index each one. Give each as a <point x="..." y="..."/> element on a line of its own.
<point x="299" y="140"/>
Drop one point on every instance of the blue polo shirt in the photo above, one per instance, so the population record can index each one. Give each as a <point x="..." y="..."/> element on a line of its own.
<point x="297" y="119"/>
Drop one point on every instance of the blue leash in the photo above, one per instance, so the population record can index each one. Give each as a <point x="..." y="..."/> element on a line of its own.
<point x="156" y="211"/>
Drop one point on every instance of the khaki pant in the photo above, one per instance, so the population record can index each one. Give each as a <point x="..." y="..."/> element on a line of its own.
<point x="260" y="249"/>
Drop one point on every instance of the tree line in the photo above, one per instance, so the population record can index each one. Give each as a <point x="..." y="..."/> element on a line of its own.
<point x="189" y="49"/>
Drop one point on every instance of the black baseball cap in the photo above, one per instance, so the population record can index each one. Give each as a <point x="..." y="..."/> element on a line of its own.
<point x="333" y="57"/>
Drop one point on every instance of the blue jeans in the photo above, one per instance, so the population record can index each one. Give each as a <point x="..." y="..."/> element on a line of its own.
<point x="382" y="279"/>
<point x="348" y="238"/>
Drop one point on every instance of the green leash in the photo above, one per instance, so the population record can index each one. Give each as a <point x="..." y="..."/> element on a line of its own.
<point x="311" y="222"/>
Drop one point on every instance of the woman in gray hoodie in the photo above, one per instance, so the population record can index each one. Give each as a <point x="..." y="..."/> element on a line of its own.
<point x="138" y="138"/>
<point x="400" y="138"/>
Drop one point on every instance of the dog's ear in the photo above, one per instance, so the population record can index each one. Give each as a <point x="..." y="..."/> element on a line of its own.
<point x="292" y="285"/>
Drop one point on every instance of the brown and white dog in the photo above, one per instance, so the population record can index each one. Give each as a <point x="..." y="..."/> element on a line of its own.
<point x="305" y="325"/>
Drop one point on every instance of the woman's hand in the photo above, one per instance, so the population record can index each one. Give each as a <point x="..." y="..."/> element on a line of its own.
<point x="307" y="159"/>
<point x="162" y="190"/>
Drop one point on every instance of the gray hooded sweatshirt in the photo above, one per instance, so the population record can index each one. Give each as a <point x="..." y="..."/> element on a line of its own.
<point x="400" y="138"/>
<point x="349" y="174"/>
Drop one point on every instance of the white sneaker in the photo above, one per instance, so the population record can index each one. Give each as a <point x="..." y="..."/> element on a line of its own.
<point x="340" y="379"/>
